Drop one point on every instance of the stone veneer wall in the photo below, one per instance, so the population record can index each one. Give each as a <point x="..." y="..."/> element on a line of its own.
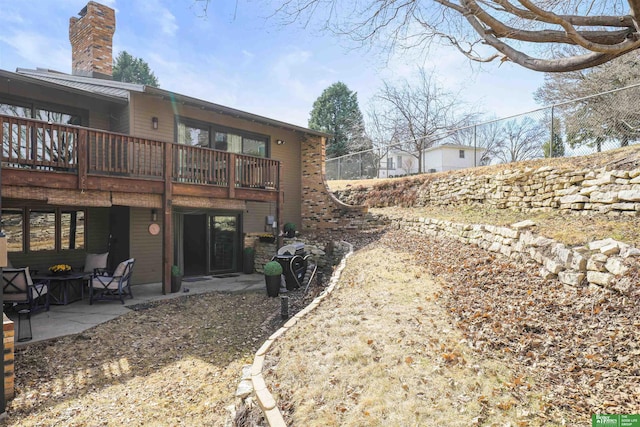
<point x="614" y="192"/>
<point x="321" y="210"/>
<point x="325" y="254"/>
<point x="607" y="263"/>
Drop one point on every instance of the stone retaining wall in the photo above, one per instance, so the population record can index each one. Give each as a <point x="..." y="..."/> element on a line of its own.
<point x="607" y="263"/>
<point x="326" y="254"/>
<point x="614" y="192"/>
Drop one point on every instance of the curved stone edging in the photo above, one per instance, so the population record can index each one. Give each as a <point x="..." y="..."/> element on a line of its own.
<point x="264" y="397"/>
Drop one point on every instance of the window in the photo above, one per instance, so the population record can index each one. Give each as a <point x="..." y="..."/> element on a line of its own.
<point x="42" y="231"/>
<point x="49" y="229"/>
<point x="191" y="132"/>
<point x="461" y="154"/>
<point x="26" y="110"/>
<point x="239" y="142"/>
<point x="72" y="229"/>
<point x="390" y="164"/>
<point x="36" y="143"/>
<point x="13" y="227"/>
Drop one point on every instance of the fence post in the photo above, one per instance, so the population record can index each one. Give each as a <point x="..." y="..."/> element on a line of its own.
<point x="552" y="139"/>
<point x="475" y="146"/>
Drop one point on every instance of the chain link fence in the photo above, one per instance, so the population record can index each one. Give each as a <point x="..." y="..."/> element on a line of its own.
<point x="596" y="123"/>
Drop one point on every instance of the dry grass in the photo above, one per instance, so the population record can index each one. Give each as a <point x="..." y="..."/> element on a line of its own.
<point x="384" y="350"/>
<point x="176" y="363"/>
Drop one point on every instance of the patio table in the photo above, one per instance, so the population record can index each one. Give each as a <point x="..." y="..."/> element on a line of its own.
<point x="65" y="288"/>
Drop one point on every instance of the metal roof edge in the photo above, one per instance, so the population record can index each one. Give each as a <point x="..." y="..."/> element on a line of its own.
<point x="81" y="79"/>
<point x="35" y="80"/>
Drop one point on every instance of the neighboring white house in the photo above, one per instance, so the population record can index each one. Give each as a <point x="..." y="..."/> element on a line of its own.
<point x="448" y="157"/>
<point x="397" y="163"/>
<point x="444" y="157"/>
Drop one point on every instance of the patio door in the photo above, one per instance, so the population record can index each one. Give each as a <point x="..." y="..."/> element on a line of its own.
<point x="223" y="243"/>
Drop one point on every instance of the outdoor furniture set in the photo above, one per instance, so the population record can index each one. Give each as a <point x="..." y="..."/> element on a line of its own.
<point x="28" y="293"/>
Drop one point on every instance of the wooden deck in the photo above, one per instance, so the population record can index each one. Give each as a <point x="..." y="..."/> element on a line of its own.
<point x="49" y="155"/>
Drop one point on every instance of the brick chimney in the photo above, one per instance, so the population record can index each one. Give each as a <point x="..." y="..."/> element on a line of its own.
<point x="91" y="37"/>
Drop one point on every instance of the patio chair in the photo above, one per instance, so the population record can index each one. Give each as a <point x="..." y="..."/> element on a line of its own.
<point x="19" y="288"/>
<point x="112" y="286"/>
<point x="93" y="261"/>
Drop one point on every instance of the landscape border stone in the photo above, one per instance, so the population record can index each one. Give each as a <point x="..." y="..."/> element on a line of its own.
<point x="263" y="396"/>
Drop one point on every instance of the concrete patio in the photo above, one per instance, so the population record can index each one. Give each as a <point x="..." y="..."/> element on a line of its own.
<point x="78" y="316"/>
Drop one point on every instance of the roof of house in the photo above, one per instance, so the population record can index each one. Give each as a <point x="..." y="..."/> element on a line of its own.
<point x="120" y="92"/>
<point x="455" y="146"/>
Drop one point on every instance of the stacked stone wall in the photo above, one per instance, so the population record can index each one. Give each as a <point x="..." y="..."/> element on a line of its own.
<point x="612" y="192"/>
<point x="607" y="263"/>
<point x="325" y="254"/>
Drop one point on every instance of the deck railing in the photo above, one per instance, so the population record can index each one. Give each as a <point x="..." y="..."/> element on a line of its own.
<point x="35" y="144"/>
<point x="38" y="145"/>
<point x="116" y="154"/>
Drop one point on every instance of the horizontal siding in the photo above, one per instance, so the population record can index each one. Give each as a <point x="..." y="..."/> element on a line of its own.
<point x="145" y="107"/>
<point x="120" y="120"/>
<point x="254" y="218"/>
<point x="145" y="248"/>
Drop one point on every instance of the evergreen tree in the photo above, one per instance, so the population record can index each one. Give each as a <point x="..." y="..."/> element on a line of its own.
<point x="336" y="112"/>
<point x="555" y="147"/>
<point x="130" y="69"/>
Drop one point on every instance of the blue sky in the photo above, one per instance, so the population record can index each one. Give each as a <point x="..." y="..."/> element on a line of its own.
<point x="239" y="57"/>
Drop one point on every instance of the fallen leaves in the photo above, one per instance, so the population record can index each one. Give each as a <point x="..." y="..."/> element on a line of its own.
<point x="540" y="326"/>
<point x="178" y="360"/>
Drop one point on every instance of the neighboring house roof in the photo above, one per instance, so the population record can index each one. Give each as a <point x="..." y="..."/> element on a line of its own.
<point x="121" y="91"/>
<point x="455" y="146"/>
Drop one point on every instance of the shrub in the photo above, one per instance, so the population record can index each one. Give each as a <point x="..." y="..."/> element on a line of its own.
<point x="289" y="227"/>
<point x="272" y="268"/>
<point x="175" y="271"/>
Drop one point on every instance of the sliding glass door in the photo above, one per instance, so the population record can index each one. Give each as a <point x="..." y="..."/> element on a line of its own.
<point x="223" y="243"/>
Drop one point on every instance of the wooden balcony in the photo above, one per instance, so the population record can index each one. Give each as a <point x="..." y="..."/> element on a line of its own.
<point x="48" y="155"/>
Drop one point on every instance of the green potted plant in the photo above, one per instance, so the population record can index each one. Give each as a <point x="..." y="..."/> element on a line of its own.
<point x="176" y="278"/>
<point x="272" y="276"/>
<point x="248" y="260"/>
<point x="289" y="229"/>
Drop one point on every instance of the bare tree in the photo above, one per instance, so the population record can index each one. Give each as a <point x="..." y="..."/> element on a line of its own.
<point x="417" y="115"/>
<point x="592" y="109"/>
<point x="521" y="31"/>
<point x="486" y="136"/>
<point x="522" y="139"/>
<point x="407" y="165"/>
